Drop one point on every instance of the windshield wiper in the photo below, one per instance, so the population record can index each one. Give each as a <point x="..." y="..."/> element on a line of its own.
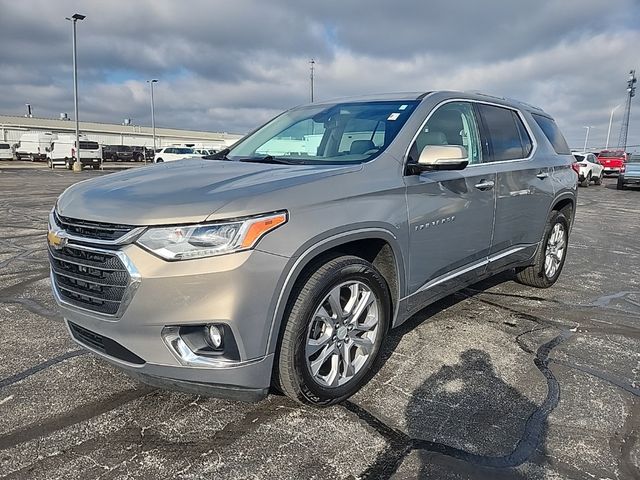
<point x="271" y="159"/>
<point x="221" y="155"/>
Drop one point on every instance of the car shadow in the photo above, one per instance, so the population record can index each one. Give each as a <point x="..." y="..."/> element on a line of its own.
<point x="464" y="418"/>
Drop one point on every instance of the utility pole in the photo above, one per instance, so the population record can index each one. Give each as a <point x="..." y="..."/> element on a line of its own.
<point x="153" y="118"/>
<point x="586" y="138"/>
<point x="610" y="122"/>
<point x="77" y="165"/>
<point x="624" y="129"/>
<point x="312" y="62"/>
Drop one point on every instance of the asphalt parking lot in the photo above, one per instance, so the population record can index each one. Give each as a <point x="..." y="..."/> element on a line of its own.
<point x="497" y="381"/>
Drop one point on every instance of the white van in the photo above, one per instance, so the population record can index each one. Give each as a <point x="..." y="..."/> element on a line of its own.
<point x="63" y="152"/>
<point x="34" y="145"/>
<point x="6" y="152"/>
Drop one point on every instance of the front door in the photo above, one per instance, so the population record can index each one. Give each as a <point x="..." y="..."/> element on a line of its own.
<point x="450" y="212"/>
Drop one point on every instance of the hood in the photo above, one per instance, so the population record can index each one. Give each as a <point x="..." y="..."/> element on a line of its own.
<point x="183" y="191"/>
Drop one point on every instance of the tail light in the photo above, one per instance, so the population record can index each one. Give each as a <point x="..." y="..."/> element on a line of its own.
<point x="576" y="167"/>
<point x="73" y="153"/>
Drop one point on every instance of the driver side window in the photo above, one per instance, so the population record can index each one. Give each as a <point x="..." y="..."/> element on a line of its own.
<point x="452" y="124"/>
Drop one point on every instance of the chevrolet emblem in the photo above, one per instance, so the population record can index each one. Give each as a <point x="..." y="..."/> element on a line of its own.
<point x="55" y="240"/>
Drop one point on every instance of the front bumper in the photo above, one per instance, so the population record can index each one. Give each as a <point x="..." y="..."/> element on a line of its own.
<point x="236" y="290"/>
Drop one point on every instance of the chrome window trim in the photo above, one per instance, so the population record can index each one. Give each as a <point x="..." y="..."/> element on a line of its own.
<point x="534" y="141"/>
<point x="130" y="289"/>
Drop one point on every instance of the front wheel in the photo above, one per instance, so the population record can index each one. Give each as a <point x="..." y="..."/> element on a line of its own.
<point x="551" y="255"/>
<point x="335" y="323"/>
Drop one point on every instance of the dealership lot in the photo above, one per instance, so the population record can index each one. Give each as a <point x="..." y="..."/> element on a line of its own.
<point x="498" y="381"/>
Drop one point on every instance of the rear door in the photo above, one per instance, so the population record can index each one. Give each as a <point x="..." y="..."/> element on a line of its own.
<point x="450" y="212"/>
<point x="524" y="189"/>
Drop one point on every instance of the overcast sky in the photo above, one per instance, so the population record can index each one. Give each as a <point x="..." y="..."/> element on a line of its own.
<point x="231" y="65"/>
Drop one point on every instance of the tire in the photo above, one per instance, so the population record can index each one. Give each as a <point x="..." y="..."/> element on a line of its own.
<point x="32" y="158"/>
<point x="293" y="373"/>
<point x="536" y="275"/>
<point x="620" y="184"/>
<point x="598" y="180"/>
<point x="95" y="167"/>
<point x="49" y="163"/>
<point x="586" y="181"/>
<point x="67" y="164"/>
<point x="159" y="160"/>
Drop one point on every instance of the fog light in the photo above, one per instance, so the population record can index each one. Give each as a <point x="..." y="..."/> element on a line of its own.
<point x="214" y="336"/>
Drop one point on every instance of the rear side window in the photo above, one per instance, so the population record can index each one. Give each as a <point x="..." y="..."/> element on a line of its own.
<point x="553" y="134"/>
<point x="89" y="146"/>
<point x="4" y="146"/>
<point x="508" y="137"/>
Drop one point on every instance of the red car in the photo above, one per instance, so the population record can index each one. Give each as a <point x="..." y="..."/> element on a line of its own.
<point x="612" y="160"/>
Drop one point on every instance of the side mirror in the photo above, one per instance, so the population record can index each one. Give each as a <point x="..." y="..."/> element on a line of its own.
<point x="443" y="157"/>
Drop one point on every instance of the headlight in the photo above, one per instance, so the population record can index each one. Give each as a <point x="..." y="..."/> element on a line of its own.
<point x="183" y="242"/>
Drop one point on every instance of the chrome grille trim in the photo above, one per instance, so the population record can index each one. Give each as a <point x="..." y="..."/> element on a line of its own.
<point x="117" y="294"/>
<point x="66" y="226"/>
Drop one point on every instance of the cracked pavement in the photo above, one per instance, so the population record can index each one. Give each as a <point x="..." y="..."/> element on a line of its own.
<point x="496" y="381"/>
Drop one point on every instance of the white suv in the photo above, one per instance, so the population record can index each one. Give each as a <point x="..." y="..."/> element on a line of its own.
<point x="169" y="154"/>
<point x="590" y="169"/>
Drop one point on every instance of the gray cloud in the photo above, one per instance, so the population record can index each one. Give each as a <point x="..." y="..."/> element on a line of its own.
<point x="231" y="65"/>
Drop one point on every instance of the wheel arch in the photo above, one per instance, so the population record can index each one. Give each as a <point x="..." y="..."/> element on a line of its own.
<point x="377" y="245"/>
<point x="567" y="205"/>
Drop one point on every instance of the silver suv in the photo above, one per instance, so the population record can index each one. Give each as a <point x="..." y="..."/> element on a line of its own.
<point x="285" y="260"/>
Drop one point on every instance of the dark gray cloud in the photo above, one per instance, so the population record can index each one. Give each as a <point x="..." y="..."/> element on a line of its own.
<point x="231" y="65"/>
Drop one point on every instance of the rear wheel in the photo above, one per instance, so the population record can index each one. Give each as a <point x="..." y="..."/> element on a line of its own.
<point x="68" y="163"/>
<point x="598" y="180"/>
<point x="159" y="160"/>
<point x="620" y="184"/>
<point x="334" y="327"/>
<point x="586" y="181"/>
<point x="551" y="255"/>
<point x="49" y="163"/>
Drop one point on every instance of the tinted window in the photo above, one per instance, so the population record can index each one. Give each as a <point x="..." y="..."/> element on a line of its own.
<point x="553" y="134"/>
<point x="4" y="146"/>
<point x="508" y="138"/>
<point x="452" y="124"/>
<point x="89" y="146"/>
<point x="579" y="158"/>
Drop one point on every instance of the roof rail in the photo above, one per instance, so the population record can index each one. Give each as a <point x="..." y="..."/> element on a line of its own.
<point x="511" y="100"/>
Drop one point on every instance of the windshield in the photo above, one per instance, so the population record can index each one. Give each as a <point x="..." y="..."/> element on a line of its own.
<point x="337" y="133"/>
<point x="88" y="145"/>
<point x="611" y="155"/>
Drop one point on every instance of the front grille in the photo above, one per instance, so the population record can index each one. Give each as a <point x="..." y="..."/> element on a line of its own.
<point x="88" y="279"/>
<point x="103" y="344"/>
<point x="92" y="230"/>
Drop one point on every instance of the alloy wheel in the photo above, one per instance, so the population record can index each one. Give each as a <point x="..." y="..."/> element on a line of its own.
<point x="342" y="333"/>
<point x="555" y="250"/>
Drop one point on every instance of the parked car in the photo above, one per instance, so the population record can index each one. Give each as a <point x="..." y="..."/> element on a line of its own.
<point x="6" y="151"/>
<point x="630" y="174"/>
<point x="169" y="154"/>
<point x="34" y="145"/>
<point x="140" y="153"/>
<point x="117" y="153"/>
<point x="63" y="152"/>
<point x="590" y="169"/>
<point x="612" y="160"/>
<point x="223" y="276"/>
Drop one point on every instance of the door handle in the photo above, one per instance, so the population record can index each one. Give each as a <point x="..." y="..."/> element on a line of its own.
<point x="542" y="175"/>
<point x="484" y="185"/>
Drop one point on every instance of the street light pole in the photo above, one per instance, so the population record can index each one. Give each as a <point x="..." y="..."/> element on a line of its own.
<point x="610" y="122"/>
<point x="77" y="165"/>
<point x="586" y="138"/>
<point x="153" y="118"/>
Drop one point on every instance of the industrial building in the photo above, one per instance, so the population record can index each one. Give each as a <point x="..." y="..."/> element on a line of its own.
<point x="12" y="128"/>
